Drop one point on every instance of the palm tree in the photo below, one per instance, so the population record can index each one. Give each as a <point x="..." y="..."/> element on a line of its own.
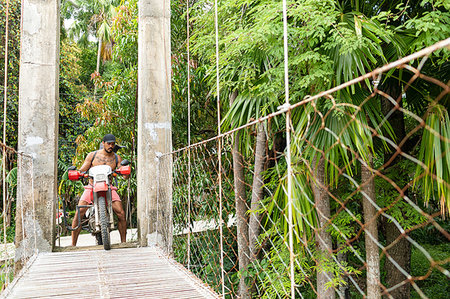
<point x="92" y="17"/>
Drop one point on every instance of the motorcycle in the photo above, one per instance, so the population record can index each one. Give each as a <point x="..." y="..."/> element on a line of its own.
<point x="99" y="217"/>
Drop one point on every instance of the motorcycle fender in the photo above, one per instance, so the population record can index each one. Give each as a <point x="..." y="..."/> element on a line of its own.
<point x="101" y="186"/>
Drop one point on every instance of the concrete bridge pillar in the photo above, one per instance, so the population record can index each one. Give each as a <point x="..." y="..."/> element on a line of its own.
<point x="154" y="204"/>
<point x="38" y="128"/>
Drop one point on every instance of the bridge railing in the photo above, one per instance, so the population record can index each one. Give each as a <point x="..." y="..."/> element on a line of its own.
<point x="10" y="206"/>
<point x="350" y="199"/>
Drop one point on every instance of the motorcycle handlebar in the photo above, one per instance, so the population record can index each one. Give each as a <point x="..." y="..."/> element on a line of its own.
<point x="75" y="174"/>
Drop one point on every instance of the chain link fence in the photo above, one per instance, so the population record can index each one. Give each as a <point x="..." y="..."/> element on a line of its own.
<point x="361" y="211"/>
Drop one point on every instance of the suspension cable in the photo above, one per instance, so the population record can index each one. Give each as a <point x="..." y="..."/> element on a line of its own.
<point x="219" y="149"/>
<point x="288" y="153"/>
<point x="189" y="134"/>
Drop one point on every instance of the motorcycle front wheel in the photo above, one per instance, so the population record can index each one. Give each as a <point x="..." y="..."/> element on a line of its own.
<point x="104" y="225"/>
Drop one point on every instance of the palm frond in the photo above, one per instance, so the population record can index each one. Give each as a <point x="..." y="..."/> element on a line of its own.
<point x="11" y="178"/>
<point x="432" y="177"/>
<point x="304" y="214"/>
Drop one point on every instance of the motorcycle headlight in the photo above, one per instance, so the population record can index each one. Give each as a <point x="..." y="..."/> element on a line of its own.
<point x="100" y="177"/>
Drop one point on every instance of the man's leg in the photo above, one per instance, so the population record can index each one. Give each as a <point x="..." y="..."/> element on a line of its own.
<point x="76" y="232"/>
<point x="122" y="223"/>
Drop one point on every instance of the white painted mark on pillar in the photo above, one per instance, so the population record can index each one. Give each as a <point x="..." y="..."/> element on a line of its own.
<point x="151" y="127"/>
<point x="33" y="140"/>
<point x="32" y="21"/>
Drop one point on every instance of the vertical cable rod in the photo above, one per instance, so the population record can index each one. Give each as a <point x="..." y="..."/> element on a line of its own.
<point x="189" y="133"/>
<point x="22" y="196"/>
<point x="158" y="179"/>
<point x="288" y="153"/>
<point x="219" y="148"/>
<point x="34" y="207"/>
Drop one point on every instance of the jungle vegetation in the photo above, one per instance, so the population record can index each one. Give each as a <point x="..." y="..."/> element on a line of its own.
<point x="330" y="42"/>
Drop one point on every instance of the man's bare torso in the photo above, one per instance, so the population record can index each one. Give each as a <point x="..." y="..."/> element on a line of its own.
<point x="105" y="159"/>
<point x="100" y="157"/>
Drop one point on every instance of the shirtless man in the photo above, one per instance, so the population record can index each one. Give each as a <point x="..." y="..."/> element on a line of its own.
<point x="104" y="156"/>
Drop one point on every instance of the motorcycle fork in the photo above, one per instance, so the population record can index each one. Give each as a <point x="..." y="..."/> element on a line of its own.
<point x="108" y="198"/>
<point x="109" y="207"/>
<point x="97" y="217"/>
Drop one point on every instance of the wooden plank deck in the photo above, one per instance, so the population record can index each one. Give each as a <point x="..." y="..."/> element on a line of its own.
<point x="119" y="273"/>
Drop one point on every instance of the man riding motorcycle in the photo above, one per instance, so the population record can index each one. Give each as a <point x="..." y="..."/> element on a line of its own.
<point x="104" y="156"/>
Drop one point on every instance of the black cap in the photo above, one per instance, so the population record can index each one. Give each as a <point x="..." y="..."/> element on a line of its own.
<point x="109" y="138"/>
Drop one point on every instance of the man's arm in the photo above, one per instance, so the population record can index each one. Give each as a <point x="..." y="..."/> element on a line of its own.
<point x="119" y="160"/>
<point x="87" y="162"/>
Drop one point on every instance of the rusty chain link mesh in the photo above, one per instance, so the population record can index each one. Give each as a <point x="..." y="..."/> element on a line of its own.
<point x="370" y="193"/>
<point x="12" y="158"/>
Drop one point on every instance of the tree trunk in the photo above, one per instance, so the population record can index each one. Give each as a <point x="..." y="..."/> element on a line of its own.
<point x="400" y="251"/>
<point x="323" y="238"/>
<point x="9" y="200"/>
<point x="241" y="210"/>
<point x="99" y="51"/>
<point x="344" y="291"/>
<point x="257" y="192"/>
<point x="370" y="227"/>
<point x="241" y="215"/>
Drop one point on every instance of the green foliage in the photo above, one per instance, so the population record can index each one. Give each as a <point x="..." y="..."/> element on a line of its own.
<point x="355" y="46"/>
<point x="433" y="176"/>
<point x="92" y="17"/>
<point x="431" y="26"/>
<point x="329" y="42"/>
<point x="304" y="214"/>
<point x="87" y="65"/>
<point x="251" y="51"/>
<point x="272" y="272"/>
<point x="125" y="34"/>
<point x="436" y="285"/>
<point x="6" y="273"/>
<point x="71" y="92"/>
<point x="329" y="265"/>
<point x="203" y="107"/>
<point x="12" y="69"/>
<point x="344" y="226"/>
<point x="205" y="258"/>
<point x="116" y="111"/>
<point x="389" y="196"/>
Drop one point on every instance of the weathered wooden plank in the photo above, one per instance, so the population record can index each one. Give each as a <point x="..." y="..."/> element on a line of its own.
<point x="119" y="273"/>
